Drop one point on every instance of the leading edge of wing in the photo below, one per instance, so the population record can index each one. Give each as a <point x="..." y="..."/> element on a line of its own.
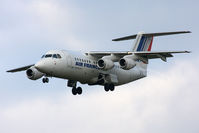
<point x="131" y="52"/>
<point x="145" y="54"/>
<point x="20" y="69"/>
<point x="107" y="52"/>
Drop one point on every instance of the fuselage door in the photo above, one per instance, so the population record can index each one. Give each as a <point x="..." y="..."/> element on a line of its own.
<point x="69" y="60"/>
<point x="54" y="61"/>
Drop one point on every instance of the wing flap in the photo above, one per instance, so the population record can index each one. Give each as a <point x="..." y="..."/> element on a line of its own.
<point x="153" y="55"/>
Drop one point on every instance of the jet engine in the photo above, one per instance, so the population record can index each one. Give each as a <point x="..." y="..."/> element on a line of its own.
<point x="105" y="64"/>
<point x="127" y="63"/>
<point x="33" y="74"/>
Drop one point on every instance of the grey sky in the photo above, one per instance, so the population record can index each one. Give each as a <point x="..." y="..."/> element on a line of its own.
<point x="165" y="101"/>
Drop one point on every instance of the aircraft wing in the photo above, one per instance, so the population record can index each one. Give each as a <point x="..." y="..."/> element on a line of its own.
<point x="100" y="54"/>
<point x="162" y="55"/>
<point x="143" y="54"/>
<point x="20" y="69"/>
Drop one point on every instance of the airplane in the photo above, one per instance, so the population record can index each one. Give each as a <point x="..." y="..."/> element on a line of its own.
<point x="105" y="68"/>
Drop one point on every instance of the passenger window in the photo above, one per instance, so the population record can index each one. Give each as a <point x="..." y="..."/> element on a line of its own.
<point x="54" y="56"/>
<point x="48" y="55"/>
<point x="58" y="56"/>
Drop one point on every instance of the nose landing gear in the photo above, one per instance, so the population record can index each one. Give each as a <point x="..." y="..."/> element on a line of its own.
<point x="45" y="80"/>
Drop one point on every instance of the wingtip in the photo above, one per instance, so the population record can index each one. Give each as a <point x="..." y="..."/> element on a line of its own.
<point x="188" y="32"/>
<point x="185" y="31"/>
<point x="188" y="51"/>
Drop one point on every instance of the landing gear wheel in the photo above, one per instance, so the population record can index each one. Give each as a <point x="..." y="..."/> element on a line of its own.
<point x="74" y="91"/>
<point x="111" y="87"/>
<point x="79" y="90"/>
<point x="106" y="87"/>
<point x="45" y="80"/>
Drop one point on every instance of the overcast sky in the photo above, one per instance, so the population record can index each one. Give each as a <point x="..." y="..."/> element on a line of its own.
<point x="166" y="101"/>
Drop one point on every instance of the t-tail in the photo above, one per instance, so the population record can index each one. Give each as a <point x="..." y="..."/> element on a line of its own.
<point x="143" y="45"/>
<point x="143" y="41"/>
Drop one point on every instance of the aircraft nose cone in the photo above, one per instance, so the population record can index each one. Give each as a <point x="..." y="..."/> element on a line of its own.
<point x="40" y="65"/>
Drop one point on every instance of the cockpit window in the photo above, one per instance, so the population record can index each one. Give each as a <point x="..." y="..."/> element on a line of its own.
<point x="54" y="56"/>
<point x="58" y="56"/>
<point x="51" y="55"/>
<point x="48" y="55"/>
<point x="43" y="56"/>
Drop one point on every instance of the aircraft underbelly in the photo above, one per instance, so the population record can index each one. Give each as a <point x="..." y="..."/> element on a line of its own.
<point x="82" y="75"/>
<point x="126" y="76"/>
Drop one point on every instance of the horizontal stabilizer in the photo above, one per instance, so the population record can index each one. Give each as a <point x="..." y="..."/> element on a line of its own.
<point x="150" y="35"/>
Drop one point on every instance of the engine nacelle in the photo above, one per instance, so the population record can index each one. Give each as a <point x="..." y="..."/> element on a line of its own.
<point x="105" y="64"/>
<point x="127" y="63"/>
<point x="33" y="74"/>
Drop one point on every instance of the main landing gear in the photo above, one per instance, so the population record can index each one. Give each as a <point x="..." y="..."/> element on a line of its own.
<point x="45" y="80"/>
<point x="75" y="90"/>
<point x="108" y="87"/>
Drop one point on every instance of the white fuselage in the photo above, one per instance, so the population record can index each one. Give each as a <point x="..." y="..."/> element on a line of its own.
<point x="79" y="67"/>
<point x="106" y="68"/>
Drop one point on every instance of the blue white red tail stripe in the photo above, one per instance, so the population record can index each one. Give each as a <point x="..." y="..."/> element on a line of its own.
<point x="145" y="43"/>
<point x="140" y="44"/>
<point x="150" y="46"/>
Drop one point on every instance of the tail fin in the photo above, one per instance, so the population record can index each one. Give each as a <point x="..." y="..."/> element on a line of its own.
<point x="143" y="41"/>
